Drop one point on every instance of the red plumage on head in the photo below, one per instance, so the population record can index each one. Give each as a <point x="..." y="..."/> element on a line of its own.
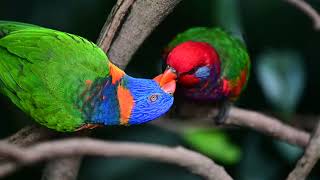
<point x="189" y="55"/>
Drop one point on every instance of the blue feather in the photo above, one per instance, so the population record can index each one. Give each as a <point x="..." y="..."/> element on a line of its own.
<point x="149" y="101"/>
<point x="106" y="111"/>
<point x="203" y="72"/>
<point x="144" y="109"/>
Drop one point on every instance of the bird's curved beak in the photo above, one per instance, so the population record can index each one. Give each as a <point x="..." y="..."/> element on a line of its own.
<point x="167" y="80"/>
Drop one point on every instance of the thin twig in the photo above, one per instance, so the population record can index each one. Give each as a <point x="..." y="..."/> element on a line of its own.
<point x="308" y="10"/>
<point x="268" y="125"/>
<point x="309" y="159"/>
<point x="195" y="162"/>
<point x="203" y="115"/>
<point x="113" y="23"/>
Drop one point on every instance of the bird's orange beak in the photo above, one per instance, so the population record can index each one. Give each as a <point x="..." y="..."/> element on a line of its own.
<point x="167" y="80"/>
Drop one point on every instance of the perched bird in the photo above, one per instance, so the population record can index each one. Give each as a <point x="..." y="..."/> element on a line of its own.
<point x="210" y="64"/>
<point x="67" y="83"/>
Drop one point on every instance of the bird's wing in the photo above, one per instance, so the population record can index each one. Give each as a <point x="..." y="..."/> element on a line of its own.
<point x="43" y="72"/>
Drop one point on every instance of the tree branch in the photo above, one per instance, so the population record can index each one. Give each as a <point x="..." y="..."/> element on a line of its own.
<point x="195" y="162"/>
<point x="64" y="168"/>
<point x="309" y="159"/>
<point x="268" y="125"/>
<point x="29" y="135"/>
<point x="308" y="10"/>
<point x="70" y="166"/>
<point x="112" y="25"/>
<point x="203" y="116"/>
<point x="144" y="16"/>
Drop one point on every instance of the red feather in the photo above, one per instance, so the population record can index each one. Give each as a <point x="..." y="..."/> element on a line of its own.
<point x="190" y="54"/>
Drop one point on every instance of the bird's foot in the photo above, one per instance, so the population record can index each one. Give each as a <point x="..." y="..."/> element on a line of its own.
<point x="223" y="113"/>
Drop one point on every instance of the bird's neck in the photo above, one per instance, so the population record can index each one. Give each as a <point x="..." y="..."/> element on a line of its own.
<point x="115" y="73"/>
<point x="107" y="98"/>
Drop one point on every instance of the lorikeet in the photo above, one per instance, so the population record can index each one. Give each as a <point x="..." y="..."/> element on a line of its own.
<point x="210" y="64"/>
<point x="67" y="83"/>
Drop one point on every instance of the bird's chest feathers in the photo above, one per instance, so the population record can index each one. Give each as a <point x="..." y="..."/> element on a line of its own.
<point x="207" y="90"/>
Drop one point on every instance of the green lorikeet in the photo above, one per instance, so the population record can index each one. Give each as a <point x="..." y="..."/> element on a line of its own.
<point x="210" y="65"/>
<point x="67" y="83"/>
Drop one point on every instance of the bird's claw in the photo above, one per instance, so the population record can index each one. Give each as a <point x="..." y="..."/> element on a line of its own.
<point x="223" y="113"/>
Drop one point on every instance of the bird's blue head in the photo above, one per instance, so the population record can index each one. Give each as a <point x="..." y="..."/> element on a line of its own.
<point x="143" y="100"/>
<point x="125" y="100"/>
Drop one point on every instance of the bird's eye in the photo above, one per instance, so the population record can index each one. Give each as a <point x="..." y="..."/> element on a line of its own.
<point x="192" y="71"/>
<point x="153" y="97"/>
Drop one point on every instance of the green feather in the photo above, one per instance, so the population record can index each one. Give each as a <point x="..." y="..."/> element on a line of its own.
<point x="34" y="62"/>
<point x="232" y="52"/>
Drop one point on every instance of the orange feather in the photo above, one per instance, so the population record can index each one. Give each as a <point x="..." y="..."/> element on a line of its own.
<point x="125" y="103"/>
<point x="115" y="73"/>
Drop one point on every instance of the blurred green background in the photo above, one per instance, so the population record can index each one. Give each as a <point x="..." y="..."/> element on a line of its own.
<point x="284" y="80"/>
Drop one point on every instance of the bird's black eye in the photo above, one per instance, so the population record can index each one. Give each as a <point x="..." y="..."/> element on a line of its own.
<point x="192" y="71"/>
<point x="153" y="97"/>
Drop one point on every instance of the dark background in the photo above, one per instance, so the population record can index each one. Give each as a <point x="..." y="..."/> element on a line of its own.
<point x="284" y="50"/>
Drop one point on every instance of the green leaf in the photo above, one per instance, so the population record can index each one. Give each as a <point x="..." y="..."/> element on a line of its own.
<point x="281" y="75"/>
<point x="213" y="143"/>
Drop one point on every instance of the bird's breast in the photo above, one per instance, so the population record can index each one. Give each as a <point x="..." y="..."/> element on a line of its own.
<point x="208" y="92"/>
